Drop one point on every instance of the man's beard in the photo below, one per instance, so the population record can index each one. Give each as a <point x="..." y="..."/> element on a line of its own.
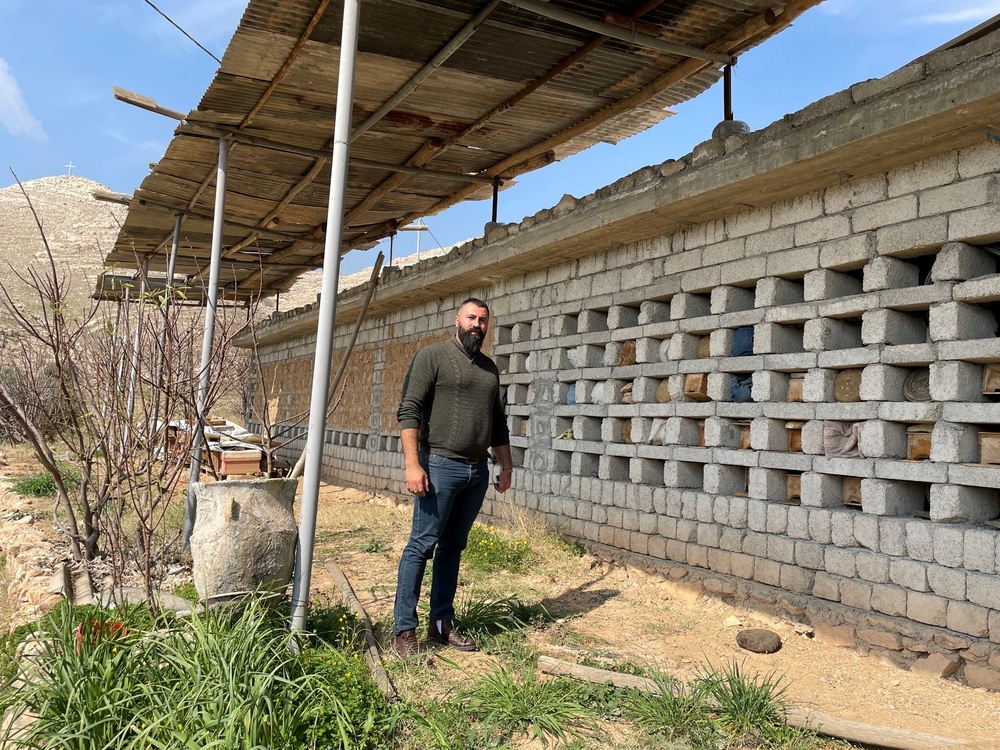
<point x="471" y="340"/>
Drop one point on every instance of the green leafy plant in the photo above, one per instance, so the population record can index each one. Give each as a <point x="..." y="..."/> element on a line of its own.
<point x="43" y="484"/>
<point x="334" y="625"/>
<point x="544" y="710"/>
<point x="186" y="591"/>
<point x="485" y="616"/>
<point x="675" y="711"/>
<point x="375" y="546"/>
<point x="488" y="552"/>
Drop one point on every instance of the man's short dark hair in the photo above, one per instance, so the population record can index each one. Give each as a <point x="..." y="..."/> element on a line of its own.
<point x="476" y="301"/>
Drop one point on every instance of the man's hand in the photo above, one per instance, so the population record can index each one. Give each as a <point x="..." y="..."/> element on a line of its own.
<point x="417" y="481"/>
<point x="502" y="483"/>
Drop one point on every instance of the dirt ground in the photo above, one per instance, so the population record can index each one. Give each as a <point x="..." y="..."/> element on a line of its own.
<point x="609" y="615"/>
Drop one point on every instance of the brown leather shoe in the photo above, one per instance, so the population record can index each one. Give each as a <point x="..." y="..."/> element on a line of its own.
<point x="406" y="644"/>
<point x="449" y="636"/>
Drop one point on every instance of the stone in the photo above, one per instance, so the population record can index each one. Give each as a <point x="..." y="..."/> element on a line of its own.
<point x="759" y="640"/>
<point x="842" y="636"/>
<point x="937" y="665"/>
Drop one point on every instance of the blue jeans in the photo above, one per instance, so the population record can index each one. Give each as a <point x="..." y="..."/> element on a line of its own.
<point x="441" y="521"/>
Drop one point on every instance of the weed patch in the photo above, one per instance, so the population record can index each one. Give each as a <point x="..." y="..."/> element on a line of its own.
<point x="489" y="552"/>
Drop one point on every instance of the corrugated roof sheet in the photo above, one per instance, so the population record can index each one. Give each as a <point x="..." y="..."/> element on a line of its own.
<point x="480" y="113"/>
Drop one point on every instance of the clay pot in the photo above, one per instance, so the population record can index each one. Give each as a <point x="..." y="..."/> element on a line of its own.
<point x="244" y="538"/>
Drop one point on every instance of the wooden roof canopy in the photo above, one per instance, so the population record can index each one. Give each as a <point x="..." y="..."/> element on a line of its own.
<point x="452" y="97"/>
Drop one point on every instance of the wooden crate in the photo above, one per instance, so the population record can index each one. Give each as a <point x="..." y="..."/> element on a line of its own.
<point x="918" y="442"/>
<point x="228" y="463"/>
<point x="794" y="436"/>
<point x="795" y="382"/>
<point x="794" y="488"/>
<point x="696" y="386"/>
<point x="989" y="448"/>
<point x="852" y="492"/>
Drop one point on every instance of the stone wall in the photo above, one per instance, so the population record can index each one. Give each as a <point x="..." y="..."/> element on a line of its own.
<point x="789" y="394"/>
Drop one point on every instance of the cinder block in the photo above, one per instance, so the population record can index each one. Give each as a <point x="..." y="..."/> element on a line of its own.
<point x="796" y="210"/>
<point x="592" y="321"/>
<point x="774" y="338"/>
<point x="720" y="343"/>
<point x="840" y="562"/>
<point x="682" y="474"/>
<point x="681" y="431"/>
<point x="889" y="600"/>
<point x="584" y="465"/>
<point x="882" y="497"/>
<point x="910" y="574"/>
<point x="857" y="594"/>
<point x="892" y="536"/>
<point x="858" y="191"/>
<point x="956" y="380"/>
<point x="755" y="544"/>
<point x="645" y="471"/>
<point x="684" y="305"/>
<point x="723" y="433"/>
<point x="882" y="383"/>
<point x="757" y="514"/>
<point x="822" y="334"/>
<point x="881" y="439"/>
<point x="983" y="590"/>
<point x="587" y="428"/>
<point x="794" y="578"/>
<point x="767" y="572"/>
<point x="768" y="435"/>
<point x="821" y="490"/>
<point x="588" y="355"/>
<point x="517" y="393"/>
<point x="653" y="312"/>
<point x="719" y="386"/>
<point x="889" y="273"/>
<point x="954" y="502"/>
<point x="883" y="213"/>
<point x="847" y="253"/>
<point x="520" y="332"/>
<point x="824" y="283"/>
<point x="842" y="528"/>
<point x="927" y="608"/>
<point x="953" y="321"/>
<point x="974" y="224"/>
<point x="822" y="229"/>
<point x="812" y="437"/>
<point x="826" y="587"/>
<point x="768" y="484"/>
<point x="708" y="535"/>
<point x="866" y="530"/>
<point x="980" y="550"/>
<point x="967" y="618"/>
<point x="883" y="326"/>
<point x="817" y="386"/>
<point x="564" y="325"/>
<point x="810" y="555"/>
<point x="777" y="518"/>
<point x="920" y="540"/>
<point x="798" y="522"/>
<point x="910" y="237"/>
<point x="946" y="582"/>
<point x="772" y="291"/>
<point x="738" y="512"/>
<point x="621" y="316"/>
<point x="697" y="556"/>
<point x="727" y="299"/>
<point x="769" y="386"/>
<point x="872" y="567"/>
<point x="683" y="346"/>
<point x="955" y="443"/>
<point x="958" y="261"/>
<point x="820" y="525"/>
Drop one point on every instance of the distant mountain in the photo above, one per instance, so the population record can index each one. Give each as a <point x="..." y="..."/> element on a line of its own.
<point x="79" y="230"/>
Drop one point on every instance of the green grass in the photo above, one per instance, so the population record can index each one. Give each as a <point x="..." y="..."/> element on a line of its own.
<point x="43" y="484"/>
<point x="489" y="552"/>
<point x="375" y="546"/>
<point x="208" y="682"/>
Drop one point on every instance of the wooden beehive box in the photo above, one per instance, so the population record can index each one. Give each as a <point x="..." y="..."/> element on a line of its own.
<point x="989" y="448"/>
<point x="744" y="435"/>
<point x="852" y="491"/>
<point x="991" y="379"/>
<point x="696" y="386"/>
<point x="227" y="463"/>
<point x="918" y="442"/>
<point x="795" y="382"/>
<point x="794" y="489"/>
<point x="663" y="392"/>
<point x="701" y="433"/>
<point x="704" y="349"/>
<point x="794" y="436"/>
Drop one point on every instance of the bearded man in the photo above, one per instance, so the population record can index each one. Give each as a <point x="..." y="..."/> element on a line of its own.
<point x="450" y="415"/>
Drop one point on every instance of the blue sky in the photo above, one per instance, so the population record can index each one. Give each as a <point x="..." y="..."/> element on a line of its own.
<point x="60" y="58"/>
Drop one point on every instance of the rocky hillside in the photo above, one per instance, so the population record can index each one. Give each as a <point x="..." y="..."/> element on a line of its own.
<point x="79" y="231"/>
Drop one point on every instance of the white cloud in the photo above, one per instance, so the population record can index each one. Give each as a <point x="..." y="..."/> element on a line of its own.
<point x="14" y="113"/>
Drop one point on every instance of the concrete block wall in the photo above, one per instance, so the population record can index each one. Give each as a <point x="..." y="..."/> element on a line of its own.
<point x="879" y="294"/>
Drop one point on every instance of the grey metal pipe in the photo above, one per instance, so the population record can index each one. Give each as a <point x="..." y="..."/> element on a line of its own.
<point x="327" y="315"/>
<point x="598" y="27"/>
<point x="208" y="340"/>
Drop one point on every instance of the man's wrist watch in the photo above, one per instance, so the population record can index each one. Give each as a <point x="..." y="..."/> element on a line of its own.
<point x="506" y="471"/>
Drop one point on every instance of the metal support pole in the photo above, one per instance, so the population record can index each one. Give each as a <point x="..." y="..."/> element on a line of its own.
<point x="496" y="197"/>
<point x="168" y="298"/>
<point x="133" y="374"/>
<point x="727" y="73"/>
<point x="211" y="302"/>
<point x="327" y="315"/>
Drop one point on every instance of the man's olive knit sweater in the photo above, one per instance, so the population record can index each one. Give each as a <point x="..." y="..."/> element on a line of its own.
<point x="454" y="401"/>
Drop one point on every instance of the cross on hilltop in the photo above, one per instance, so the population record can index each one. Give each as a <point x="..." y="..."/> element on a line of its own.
<point x="70" y="167"/>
